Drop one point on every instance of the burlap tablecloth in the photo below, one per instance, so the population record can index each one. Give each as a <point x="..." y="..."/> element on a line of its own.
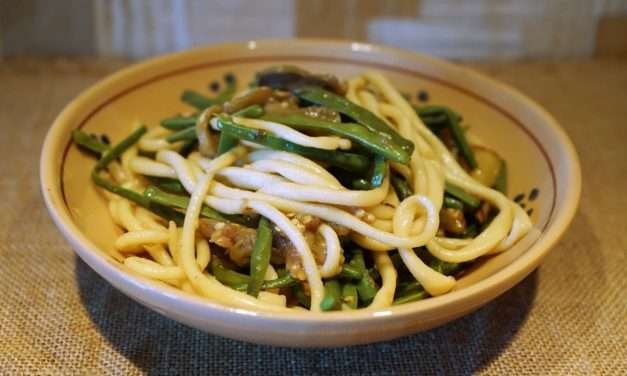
<point x="569" y="317"/>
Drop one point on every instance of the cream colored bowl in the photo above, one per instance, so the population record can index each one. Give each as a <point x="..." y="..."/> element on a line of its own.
<point x="539" y="154"/>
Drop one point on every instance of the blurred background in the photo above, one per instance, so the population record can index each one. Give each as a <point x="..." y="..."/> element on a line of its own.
<point x="458" y="29"/>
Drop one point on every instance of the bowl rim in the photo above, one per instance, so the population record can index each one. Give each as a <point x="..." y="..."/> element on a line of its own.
<point x="512" y="273"/>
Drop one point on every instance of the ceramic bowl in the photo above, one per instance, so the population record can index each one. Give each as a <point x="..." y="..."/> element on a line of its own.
<point x="543" y="169"/>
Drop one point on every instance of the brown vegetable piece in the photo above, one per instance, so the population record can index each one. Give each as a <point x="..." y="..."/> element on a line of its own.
<point x="289" y="77"/>
<point x="259" y="95"/>
<point x="453" y="221"/>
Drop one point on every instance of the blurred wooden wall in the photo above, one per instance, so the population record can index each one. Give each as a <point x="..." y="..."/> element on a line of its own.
<point x="459" y="29"/>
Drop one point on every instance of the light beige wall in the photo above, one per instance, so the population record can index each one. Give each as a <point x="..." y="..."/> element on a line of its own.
<point x="462" y="29"/>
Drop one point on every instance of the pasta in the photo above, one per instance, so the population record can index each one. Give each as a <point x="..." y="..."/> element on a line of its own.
<point x="306" y="192"/>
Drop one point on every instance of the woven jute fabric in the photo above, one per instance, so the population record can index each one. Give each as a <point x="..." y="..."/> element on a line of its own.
<point x="57" y="316"/>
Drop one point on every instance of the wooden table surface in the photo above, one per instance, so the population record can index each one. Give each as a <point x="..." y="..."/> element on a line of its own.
<point x="569" y="317"/>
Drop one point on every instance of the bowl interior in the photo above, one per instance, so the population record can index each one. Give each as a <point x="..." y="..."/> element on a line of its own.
<point x="540" y="157"/>
<point x="155" y="98"/>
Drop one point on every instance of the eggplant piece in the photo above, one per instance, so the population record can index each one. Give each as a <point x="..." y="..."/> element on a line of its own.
<point x="488" y="166"/>
<point x="289" y="77"/>
<point x="259" y="95"/>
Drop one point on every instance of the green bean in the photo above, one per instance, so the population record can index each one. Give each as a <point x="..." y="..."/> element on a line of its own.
<point x="177" y="123"/>
<point x="117" y="150"/>
<point x="186" y="131"/>
<point x="277" y="283"/>
<point x="444" y="267"/>
<point x="402" y="189"/>
<point x="168" y="185"/>
<point x="320" y="96"/>
<point x="453" y="203"/>
<point x="349" y="295"/>
<point x="437" y="116"/>
<point x="435" y="122"/>
<point x="227" y="276"/>
<point x="281" y="282"/>
<point x="349" y="161"/>
<point x="361" y="115"/>
<point x="371" y="141"/>
<point x="460" y="139"/>
<point x="412" y="296"/>
<point x="260" y="257"/>
<point x="254" y="111"/>
<point x="350" y="272"/>
<point x="303" y="299"/>
<point x="226" y="94"/>
<point x="155" y="195"/>
<point x="185" y="134"/>
<point x="163" y="211"/>
<point x="227" y="141"/>
<point x="380" y="167"/>
<point x="195" y="99"/>
<point x="332" y="296"/>
<point x="86" y="141"/>
<point x="113" y="153"/>
<point x="405" y="288"/>
<point x="366" y="287"/>
<point x="462" y="195"/>
<point x="501" y="178"/>
<point x="436" y="111"/>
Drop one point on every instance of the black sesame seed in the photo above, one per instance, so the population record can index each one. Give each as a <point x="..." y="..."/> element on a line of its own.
<point x="229" y="78"/>
<point x="215" y="86"/>
<point x="534" y="194"/>
<point x="529" y="212"/>
<point x="519" y="197"/>
<point x="105" y="139"/>
<point x="423" y="96"/>
<point x="522" y="204"/>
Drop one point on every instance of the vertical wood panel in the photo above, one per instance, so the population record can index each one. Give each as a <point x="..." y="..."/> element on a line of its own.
<point x="611" y="37"/>
<point x="346" y="18"/>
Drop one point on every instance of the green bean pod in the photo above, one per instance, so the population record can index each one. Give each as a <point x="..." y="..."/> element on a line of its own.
<point x="168" y="185"/>
<point x="86" y="141"/>
<point x="227" y="276"/>
<point x="113" y="153"/>
<point x="332" y="296"/>
<point x="160" y="197"/>
<point x="195" y="99"/>
<point x="371" y="141"/>
<point x="344" y="160"/>
<point x="401" y="187"/>
<point x="303" y="299"/>
<point x="349" y="295"/>
<point x="178" y="123"/>
<point x="412" y="296"/>
<point x="453" y="203"/>
<point x="361" y="115"/>
<point x="260" y="257"/>
<point x="462" y="195"/>
<point x="351" y="272"/>
<point x="501" y="179"/>
<point x="366" y="287"/>
<point x="379" y="170"/>
<point x="186" y="134"/>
